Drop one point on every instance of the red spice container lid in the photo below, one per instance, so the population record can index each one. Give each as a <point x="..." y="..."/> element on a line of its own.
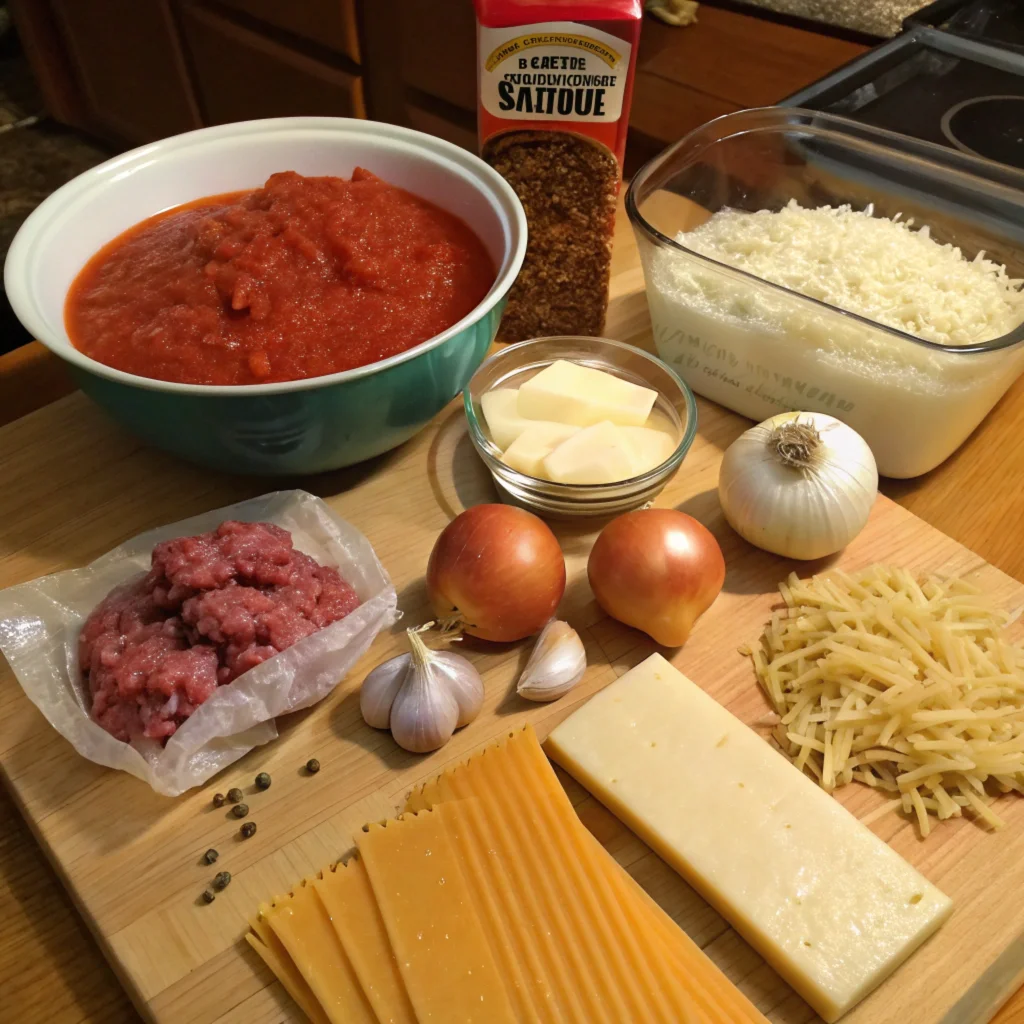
<point x="502" y="13"/>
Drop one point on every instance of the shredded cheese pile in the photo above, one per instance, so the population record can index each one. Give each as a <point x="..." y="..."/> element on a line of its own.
<point x="878" y="268"/>
<point x="911" y="687"/>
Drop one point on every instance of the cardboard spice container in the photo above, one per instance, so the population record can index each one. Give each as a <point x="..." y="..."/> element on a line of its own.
<point x="555" y="84"/>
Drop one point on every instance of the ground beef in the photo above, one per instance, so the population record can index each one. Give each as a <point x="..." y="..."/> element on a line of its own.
<point x="211" y="607"/>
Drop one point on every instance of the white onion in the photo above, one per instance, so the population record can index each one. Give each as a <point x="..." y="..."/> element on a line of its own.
<point x="800" y="485"/>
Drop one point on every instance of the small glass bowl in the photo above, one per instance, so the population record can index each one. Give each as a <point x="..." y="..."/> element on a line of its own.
<point x="518" y="363"/>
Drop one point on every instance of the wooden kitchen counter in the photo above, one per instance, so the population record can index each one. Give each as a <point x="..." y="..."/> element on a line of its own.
<point x="52" y="971"/>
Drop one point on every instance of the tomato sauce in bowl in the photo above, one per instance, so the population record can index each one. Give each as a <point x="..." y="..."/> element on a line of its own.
<point x="303" y="277"/>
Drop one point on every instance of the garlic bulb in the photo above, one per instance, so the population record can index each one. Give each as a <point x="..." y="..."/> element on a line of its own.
<point x="801" y="484"/>
<point x="422" y="696"/>
<point x="556" y="665"/>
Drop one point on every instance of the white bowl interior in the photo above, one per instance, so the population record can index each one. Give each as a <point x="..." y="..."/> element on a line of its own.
<point x="69" y="227"/>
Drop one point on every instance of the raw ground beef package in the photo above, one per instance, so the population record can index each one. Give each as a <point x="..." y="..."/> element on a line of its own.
<point x="246" y="684"/>
<point x="555" y="84"/>
<point x="212" y="606"/>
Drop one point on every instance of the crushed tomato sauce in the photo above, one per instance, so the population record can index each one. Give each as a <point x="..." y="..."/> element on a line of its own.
<point x="299" y="278"/>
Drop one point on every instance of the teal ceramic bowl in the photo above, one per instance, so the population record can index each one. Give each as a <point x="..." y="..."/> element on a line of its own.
<point x="294" y="427"/>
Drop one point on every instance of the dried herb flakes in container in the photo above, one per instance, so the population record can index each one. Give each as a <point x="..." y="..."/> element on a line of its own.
<point x="553" y="113"/>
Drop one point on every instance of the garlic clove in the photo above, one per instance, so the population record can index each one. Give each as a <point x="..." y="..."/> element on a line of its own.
<point x="424" y="714"/>
<point x="380" y="688"/>
<point x="463" y="683"/>
<point x="556" y="665"/>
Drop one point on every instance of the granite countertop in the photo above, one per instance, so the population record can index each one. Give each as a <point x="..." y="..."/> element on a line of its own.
<point x="881" y="18"/>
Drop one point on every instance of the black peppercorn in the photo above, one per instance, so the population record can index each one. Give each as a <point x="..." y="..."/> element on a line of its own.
<point x="312" y="766"/>
<point x="240" y="810"/>
<point x="221" y="881"/>
<point x="263" y="781"/>
<point x="234" y="795"/>
<point x="248" y="829"/>
<point x="210" y="856"/>
<point x="218" y="799"/>
<point x="208" y="896"/>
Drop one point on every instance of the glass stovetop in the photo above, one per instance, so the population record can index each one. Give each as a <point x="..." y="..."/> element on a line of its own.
<point x="959" y="83"/>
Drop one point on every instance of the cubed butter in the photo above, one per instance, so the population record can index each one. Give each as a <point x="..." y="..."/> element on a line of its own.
<point x="827" y="903"/>
<point x="503" y="421"/>
<point x="594" y="455"/>
<point x="649" y="447"/>
<point x="528" y="451"/>
<point x="573" y="393"/>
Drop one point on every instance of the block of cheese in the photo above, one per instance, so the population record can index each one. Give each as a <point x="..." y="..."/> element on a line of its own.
<point x="648" y="447"/>
<point x="270" y="950"/>
<point x="598" y="454"/>
<point x="573" y="393"/>
<point x="347" y="897"/>
<point x="828" y="904"/>
<point x="441" y="947"/>
<point x="592" y="946"/>
<point x="528" y="451"/>
<point x="500" y="409"/>
<point x="300" y="921"/>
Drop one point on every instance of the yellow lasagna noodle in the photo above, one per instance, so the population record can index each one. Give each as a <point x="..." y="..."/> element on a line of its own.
<point x="441" y="947"/>
<point x="347" y="896"/>
<point x="508" y="800"/>
<point x="270" y="950"/>
<point x="489" y="901"/>
<point x="301" y="923"/>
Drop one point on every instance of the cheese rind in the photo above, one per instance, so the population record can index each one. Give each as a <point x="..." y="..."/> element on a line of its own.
<point x="828" y="904"/>
<point x="573" y="393"/>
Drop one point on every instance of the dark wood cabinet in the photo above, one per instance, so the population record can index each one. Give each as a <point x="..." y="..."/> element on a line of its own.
<point x="135" y="70"/>
<point x="130" y="67"/>
<point x="439" y="53"/>
<point x="329" y="23"/>
<point x="241" y="74"/>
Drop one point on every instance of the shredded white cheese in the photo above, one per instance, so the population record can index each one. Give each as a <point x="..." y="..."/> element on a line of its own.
<point x="879" y="268"/>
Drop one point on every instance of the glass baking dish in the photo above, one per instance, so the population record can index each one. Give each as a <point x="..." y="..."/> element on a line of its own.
<point x="759" y="348"/>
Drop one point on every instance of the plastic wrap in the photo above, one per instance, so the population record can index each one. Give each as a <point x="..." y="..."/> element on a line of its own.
<point x="40" y="622"/>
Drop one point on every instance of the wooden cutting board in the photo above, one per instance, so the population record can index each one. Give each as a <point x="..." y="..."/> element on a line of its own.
<point x="75" y="486"/>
